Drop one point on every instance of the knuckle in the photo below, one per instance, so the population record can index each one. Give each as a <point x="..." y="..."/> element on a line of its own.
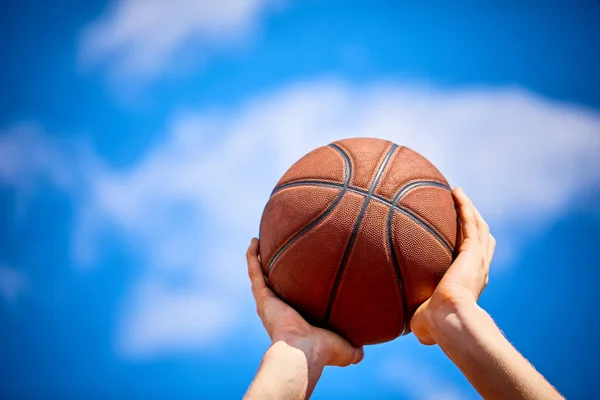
<point x="260" y="311"/>
<point x="485" y="225"/>
<point x="484" y="262"/>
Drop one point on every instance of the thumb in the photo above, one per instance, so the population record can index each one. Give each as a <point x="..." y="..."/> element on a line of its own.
<point x="341" y="352"/>
<point x="418" y="325"/>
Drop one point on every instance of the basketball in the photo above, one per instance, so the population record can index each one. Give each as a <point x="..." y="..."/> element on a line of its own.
<point x="356" y="235"/>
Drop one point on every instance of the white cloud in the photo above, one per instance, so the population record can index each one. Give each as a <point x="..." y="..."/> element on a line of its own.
<point x="189" y="207"/>
<point x="12" y="284"/>
<point x="193" y="202"/>
<point x="142" y="38"/>
<point x="419" y="380"/>
<point x="179" y="320"/>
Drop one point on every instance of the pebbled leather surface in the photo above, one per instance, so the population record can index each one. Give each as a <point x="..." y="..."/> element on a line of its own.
<point x="370" y="294"/>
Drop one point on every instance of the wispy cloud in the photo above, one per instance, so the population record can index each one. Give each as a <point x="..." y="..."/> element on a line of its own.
<point x="193" y="201"/>
<point x="188" y="208"/>
<point x="27" y="155"/>
<point x="159" y="318"/>
<point x="142" y="38"/>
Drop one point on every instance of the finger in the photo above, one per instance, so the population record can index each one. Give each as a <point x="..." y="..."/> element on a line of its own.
<point x="466" y="214"/>
<point x="259" y="287"/>
<point x="491" y="248"/>
<point x="342" y="353"/>
<point x="359" y="354"/>
<point x="483" y="231"/>
<point x="417" y="328"/>
<point x="426" y="340"/>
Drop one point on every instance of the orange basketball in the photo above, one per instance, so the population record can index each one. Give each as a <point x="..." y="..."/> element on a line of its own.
<point x="356" y="235"/>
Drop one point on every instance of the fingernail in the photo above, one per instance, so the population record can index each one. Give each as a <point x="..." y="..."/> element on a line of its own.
<point x="357" y="356"/>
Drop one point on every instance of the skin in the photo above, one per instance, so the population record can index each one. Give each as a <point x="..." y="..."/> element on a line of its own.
<point x="450" y="318"/>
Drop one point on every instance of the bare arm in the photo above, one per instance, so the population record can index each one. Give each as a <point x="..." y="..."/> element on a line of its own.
<point x="469" y="336"/>
<point x="283" y="374"/>
<point x="465" y="332"/>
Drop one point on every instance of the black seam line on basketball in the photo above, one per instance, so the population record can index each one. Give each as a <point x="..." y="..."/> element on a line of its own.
<point x="401" y="193"/>
<point x="403" y="190"/>
<point x="415" y="184"/>
<point x="383" y="200"/>
<point x="361" y="214"/>
<point x="399" y="278"/>
<point x="308" y="183"/>
<point x="425" y="225"/>
<point x="320" y="217"/>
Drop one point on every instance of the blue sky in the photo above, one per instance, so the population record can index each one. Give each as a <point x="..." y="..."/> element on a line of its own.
<point x="125" y="124"/>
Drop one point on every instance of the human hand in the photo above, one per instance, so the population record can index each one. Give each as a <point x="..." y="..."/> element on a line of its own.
<point x="283" y="323"/>
<point x="466" y="278"/>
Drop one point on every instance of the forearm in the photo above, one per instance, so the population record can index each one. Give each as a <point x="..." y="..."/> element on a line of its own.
<point x="469" y="336"/>
<point x="286" y="372"/>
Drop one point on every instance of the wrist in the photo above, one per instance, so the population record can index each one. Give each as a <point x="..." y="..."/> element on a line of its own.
<point x="451" y="313"/>
<point x="282" y="374"/>
<point x="311" y="349"/>
<point x="299" y="354"/>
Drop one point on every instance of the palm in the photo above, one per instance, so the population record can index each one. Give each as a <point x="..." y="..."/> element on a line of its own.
<point x="281" y="316"/>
